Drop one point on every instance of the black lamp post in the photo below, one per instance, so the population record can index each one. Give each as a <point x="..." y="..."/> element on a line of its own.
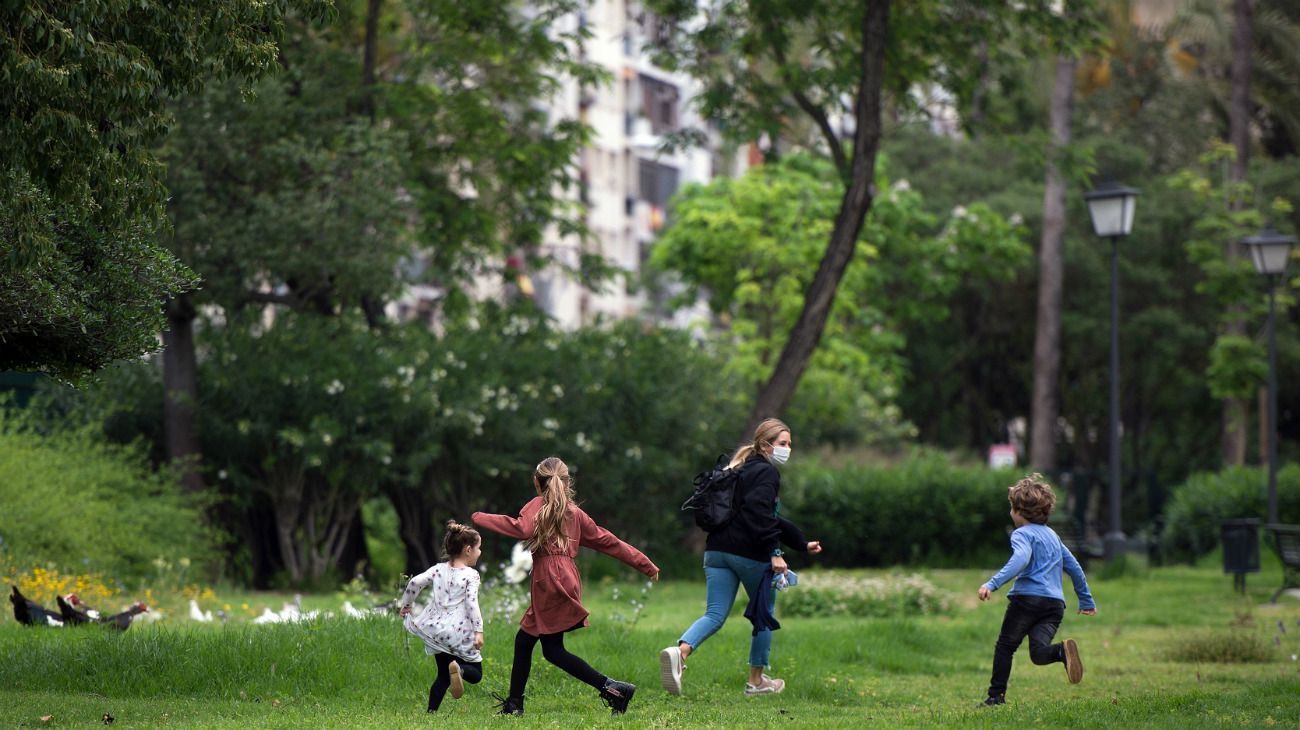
<point x="1111" y="208"/>
<point x="1270" y="250"/>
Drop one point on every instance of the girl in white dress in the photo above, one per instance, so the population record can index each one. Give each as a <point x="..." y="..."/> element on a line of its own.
<point x="451" y="625"/>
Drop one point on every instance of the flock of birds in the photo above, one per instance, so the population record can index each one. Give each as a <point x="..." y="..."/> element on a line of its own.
<point x="73" y="612"/>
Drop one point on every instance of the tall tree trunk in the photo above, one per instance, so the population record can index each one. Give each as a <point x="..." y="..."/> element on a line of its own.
<point x="181" y="393"/>
<point x="415" y="527"/>
<point x="858" y="195"/>
<point x="1235" y="409"/>
<point x="1051" y="278"/>
<point x="368" y="58"/>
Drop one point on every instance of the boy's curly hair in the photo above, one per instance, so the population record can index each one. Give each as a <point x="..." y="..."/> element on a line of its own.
<point x="1032" y="497"/>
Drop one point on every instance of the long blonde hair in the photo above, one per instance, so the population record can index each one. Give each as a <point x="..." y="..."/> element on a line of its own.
<point x="766" y="432"/>
<point x="552" y="476"/>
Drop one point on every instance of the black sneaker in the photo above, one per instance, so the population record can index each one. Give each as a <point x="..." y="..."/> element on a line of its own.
<point x="509" y="705"/>
<point x="992" y="700"/>
<point x="617" y="695"/>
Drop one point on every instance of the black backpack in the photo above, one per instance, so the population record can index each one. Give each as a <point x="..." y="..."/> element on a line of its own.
<point x="713" y="500"/>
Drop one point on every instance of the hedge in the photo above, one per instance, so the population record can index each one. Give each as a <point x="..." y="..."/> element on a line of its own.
<point x="1197" y="507"/>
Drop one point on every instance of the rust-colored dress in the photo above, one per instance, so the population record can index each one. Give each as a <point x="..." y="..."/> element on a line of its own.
<point x="556" y="590"/>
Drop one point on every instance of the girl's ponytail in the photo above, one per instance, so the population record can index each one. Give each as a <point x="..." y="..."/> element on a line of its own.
<point x="553" y="478"/>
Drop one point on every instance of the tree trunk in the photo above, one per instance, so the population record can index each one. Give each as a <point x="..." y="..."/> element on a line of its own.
<point x="415" y="527"/>
<point x="181" y="393"/>
<point x="368" y="59"/>
<point x="1051" y="278"/>
<point x="1235" y="409"/>
<point x="860" y="191"/>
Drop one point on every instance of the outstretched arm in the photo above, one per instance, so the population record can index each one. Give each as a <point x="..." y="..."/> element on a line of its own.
<point x="1021" y="551"/>
<point x="520" y="528"/>
<point x="413" y="589"/>
<point x="1072" y="568"/>
<point x="598" y="538"/>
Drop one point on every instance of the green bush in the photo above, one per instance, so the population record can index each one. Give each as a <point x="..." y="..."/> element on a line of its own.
<point x="1236" y="646"/>
<point x="75" y="503"/>
<point x="1198" y="507"/>
<point x="835" y="593"/>
<point x="922" y="510"/>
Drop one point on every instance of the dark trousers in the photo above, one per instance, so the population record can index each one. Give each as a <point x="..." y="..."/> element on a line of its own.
<point x="471" y="672"/>
<point x="555" y="653"/>
<point x="1037" y="617"/>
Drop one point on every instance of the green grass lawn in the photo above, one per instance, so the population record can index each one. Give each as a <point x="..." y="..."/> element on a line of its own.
<point x="841" y="672"/>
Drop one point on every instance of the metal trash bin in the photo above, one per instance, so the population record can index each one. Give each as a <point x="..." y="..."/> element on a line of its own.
<point x="1240" y="549"/>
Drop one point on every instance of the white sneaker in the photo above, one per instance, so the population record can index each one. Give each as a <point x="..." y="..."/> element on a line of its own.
<point x="768" y="686"/>
<point x="670" y="670"/>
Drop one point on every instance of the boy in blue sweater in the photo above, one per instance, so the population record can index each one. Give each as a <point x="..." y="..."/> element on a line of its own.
<point x="1036" y="604"/>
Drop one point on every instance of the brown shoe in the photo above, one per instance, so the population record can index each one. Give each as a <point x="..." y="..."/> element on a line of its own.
<point x="1073" y="665"/>
<point x="457" y="684"/>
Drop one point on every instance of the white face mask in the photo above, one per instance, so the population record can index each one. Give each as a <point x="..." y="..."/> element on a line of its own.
<point x="780" y="454"/>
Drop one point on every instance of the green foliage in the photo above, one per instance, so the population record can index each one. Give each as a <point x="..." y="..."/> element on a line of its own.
<point x="1199" y="506"/>
<point x="833" y="593"/>
<point x="73" y="502"/>
<point x="80" y="188"/>
<point x="753" y="243"/>
<point x="922" y="510"/>
<point x="1222" y="647"/>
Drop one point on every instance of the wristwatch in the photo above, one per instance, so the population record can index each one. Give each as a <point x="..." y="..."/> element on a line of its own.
<point x="777" y="553"/>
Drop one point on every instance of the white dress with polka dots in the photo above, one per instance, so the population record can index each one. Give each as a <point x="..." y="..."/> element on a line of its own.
<point x="448" y="623"/>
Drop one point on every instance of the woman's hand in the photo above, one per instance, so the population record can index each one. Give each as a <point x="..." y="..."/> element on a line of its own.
<point x="406" y="611"/>
<point x="478" y="639"/>
<point x="778" y="564"/>
<point x="655" y="577"/>
<point x="815" y="547"/>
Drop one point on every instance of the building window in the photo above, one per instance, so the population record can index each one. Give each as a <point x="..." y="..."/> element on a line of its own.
<point x="659" y="102"/>
<point x="657" y="182"/>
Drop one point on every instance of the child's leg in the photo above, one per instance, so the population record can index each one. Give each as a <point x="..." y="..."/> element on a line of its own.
<point x="440" y="684"/>
<point x="721" y="585"/>
<point x="555" y="653"/>
<point x="1041" y="649"/>
<point x="471" y="672"/>
<point x="523" y="664"/>
<point x="1015" y="624"/>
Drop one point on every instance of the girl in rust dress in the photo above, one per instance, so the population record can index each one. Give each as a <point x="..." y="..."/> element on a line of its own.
<point x="554" y="527"/>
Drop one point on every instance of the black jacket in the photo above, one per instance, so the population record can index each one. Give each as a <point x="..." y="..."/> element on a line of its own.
<point x="755" y="529"/>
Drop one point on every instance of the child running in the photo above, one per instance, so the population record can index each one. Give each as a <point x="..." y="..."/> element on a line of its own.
<point x="553" y="527"/>
<point x="451" y="625"/>
<point x="1036" y="604"/>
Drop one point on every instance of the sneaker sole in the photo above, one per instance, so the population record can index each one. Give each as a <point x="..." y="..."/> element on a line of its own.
<point x="1073" y="665"/>
<point x="457" y="685"/>
<point x="670" y="679"/>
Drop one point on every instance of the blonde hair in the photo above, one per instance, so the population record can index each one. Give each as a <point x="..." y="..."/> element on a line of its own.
<point x="552" y="476"/>
<point x="1032" y="497"/>
<point x="458" y="538"/>
<point x="766" y="432"/>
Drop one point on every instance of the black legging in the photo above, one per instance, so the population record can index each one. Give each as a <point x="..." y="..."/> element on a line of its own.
<point x="555" y="653"/>
<point x="471" y="672"/>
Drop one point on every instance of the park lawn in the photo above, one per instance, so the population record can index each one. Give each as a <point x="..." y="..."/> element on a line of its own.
<point x="841" y="672"/>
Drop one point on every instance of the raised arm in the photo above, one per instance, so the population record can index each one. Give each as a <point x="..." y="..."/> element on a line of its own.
<point x="1075" y="571"/>
<point x="598" y="538"/>
<point x="791" y="535"/>
<point x="1021" y="551"/>
<point x="520" y="528"/>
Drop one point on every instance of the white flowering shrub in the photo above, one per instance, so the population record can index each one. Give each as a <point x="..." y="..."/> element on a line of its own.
<point x="832" y="593"/>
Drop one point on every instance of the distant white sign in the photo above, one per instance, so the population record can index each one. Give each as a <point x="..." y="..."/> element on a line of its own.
<point x="1001" y="456"/>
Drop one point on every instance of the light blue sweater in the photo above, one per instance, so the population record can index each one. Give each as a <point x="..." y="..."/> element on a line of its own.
<point x="1037" y="559"/>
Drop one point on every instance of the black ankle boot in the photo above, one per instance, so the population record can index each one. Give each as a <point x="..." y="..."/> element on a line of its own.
<point x="509" y="705"/>
<point x="617" y="695"/>
<point x="1000" y="699"/>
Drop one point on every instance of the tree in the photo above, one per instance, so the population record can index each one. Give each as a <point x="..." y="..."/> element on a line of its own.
<point x="750" y="243"/>
<point x="81" y="196"/>
<point x="765" y="63"/>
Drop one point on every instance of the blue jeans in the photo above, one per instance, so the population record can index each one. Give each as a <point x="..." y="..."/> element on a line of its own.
<point x="723" y="574"/>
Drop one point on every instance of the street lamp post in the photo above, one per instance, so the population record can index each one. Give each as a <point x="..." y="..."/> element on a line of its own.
<point x="1111" y="208"/>
<point x="1270" y="250"/>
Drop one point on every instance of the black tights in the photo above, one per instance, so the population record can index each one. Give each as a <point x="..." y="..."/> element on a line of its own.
<point x="555" y="653"/>
<point x="471" y="672"/>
